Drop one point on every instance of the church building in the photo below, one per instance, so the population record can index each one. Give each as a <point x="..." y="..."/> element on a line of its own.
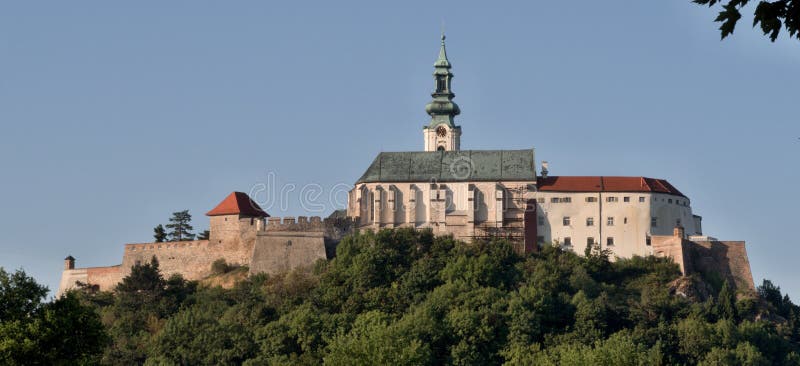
<point x="475" y="194"/>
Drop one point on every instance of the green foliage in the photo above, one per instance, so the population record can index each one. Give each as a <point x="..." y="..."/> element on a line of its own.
<point x="20" y="295"/>
<point x="373" y="341"/>
<point x="204" y="235"/>
<point x="62" y="332"/>
<point x="772" y="16"/>
<point x="180" y="227"/>
<point x="406" y="297"/>
<point x="159" y="234"/>
<point x="219" y="266"/>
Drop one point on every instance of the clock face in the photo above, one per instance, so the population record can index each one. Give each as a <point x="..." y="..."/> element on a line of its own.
<point x="441" y="131"/>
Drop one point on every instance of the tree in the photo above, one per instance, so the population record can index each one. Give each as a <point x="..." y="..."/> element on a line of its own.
<point x="159" y="233"/>
<point x="726" y="302"/>
<point x="203" y="235"/>
<point x="62" y="332"/>
<point x="20" y="295"/>
<point x="179" y="226"/>
<point x="771" y="15"/>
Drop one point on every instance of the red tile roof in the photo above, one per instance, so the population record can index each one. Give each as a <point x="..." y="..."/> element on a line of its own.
<point x="237" y="203"/>
<point x="607" y="184"/>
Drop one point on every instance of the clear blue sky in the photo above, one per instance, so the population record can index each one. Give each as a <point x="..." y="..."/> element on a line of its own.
<point x="113" y="115"/>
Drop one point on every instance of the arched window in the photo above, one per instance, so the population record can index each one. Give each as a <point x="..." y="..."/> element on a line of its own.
<point x="440" y="148"/>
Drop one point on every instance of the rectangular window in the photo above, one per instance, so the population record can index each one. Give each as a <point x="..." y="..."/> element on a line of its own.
<point x="565" y="221"/>
<point x="669" y="200"/>
<point x="554" y="200"/>
<point x="610" y="242"/>
<point x="590" y="221"/>
<point x="591" y="199"/>
<point x="626" y="199"/>
<point x="612" y="199"/>
<point x="566" y="199"/>
<point x="647" y="241"/>
<point x="653" y="222"/>
<point x="568" y="241"/>
<point x="610" y="221"/>
<point x="589" y="241"/>
<point x="641" y="199"/>
<point x="624" y="220"/>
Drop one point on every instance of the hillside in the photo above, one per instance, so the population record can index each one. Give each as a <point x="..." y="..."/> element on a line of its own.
<point x="406" y="297"/>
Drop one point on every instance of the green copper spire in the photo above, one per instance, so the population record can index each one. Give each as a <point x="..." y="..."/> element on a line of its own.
<point x="442" y="109"/>
<point x="442" y="60"/>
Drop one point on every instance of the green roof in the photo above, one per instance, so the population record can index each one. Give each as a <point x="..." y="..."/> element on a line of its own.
<point x="451" y="166"/>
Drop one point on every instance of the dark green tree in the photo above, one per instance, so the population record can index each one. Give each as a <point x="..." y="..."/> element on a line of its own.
<point x="159" y="233"/>
<point x="62" y="332"/>
<point x="726" y="303"/>
<point x="772" y="16"/>
<point x="180" y="227"/>
<point x="203" y="235"/>
<point x="20" y="295"/>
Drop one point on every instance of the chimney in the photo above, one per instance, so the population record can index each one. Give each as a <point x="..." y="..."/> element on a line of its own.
<point x="69" y="262"/>
<point x="544" y="169"/>
<point x="678" y="231"/>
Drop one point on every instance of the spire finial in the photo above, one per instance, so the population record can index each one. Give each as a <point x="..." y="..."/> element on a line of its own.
<point x="442" y="60"/>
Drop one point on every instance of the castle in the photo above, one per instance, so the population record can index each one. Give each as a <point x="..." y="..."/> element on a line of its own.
<point x="470" y="194"/>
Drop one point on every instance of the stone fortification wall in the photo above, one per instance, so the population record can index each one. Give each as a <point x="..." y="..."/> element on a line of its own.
<point x="105" y="278"/>
<point x="290" y="243"/>
<point x="717" y="261"/>
<point x="191" y="259"/>
<point x="728" y="259"/>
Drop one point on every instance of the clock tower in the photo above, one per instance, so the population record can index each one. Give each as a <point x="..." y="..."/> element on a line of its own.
<point x="442" y="134"/>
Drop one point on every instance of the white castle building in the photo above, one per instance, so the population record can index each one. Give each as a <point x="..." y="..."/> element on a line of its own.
<point x="488" y="193"/>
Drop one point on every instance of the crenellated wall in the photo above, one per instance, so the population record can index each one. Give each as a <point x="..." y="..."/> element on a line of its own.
<point x="278" y="245"/>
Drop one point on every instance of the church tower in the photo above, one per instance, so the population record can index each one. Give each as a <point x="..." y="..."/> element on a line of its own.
<point x="441" y="134"/>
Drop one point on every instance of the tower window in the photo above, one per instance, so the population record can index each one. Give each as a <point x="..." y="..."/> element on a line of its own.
<point x="610" y="221"/>
<point x="440" y="148"/>
<point x="589" y="241"/>
<point x="441" y="84"/>
<point x="590" y="221"/>
<point x="566" y="221"/>
<point x="610" y="241"/>
<point x="567" y="241"/>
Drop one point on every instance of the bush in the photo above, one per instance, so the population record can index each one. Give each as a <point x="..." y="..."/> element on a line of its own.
<point x="220" y="267"/>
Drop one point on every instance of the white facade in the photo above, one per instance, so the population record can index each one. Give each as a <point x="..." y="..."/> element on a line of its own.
<point x="442" y="137"/>
<point x="619" y="221"/>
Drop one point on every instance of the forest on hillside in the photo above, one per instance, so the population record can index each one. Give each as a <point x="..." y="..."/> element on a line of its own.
<point x="406" y="297"/>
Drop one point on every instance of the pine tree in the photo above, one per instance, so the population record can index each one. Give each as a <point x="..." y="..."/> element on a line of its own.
<point x="179" y="226"/>
<point x="203" y="235"/>
<point x="159" y="233"/>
